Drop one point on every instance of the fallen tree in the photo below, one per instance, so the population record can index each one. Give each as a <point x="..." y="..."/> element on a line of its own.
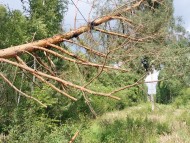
<point x="49" y="46"/>
<point x="16" y="50"/>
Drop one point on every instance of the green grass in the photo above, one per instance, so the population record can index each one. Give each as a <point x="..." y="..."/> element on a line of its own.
<point x="139" y="124"/>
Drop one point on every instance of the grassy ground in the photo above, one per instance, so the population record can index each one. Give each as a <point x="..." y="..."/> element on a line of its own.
<point x="166" y="124"/>
<point x="137" y="124"/>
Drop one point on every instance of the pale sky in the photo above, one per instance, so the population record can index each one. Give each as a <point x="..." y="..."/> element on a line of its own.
<point x="181" y="8"/>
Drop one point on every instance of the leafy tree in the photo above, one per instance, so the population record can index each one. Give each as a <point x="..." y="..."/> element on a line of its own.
<point x="46" y="17"/>
<point x="43" y="20"/>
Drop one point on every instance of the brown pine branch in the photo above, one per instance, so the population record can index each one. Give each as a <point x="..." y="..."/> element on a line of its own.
<point x="87" y="48"/>
<point x="54" y="87"/>
<point x="44" y="44"/>
<point x="38" y="59"/>
<point x="16" y="50"/>
<point x="58" y="79"/>
<point x="128" y="86"/>
<point x="66" y="52"/>
<point x="98" y="73"/>
<point x="78" y="62"/>
<point x="22" y="93"/>
<point x="123" y="35"/>
<point x="49" y="60"/>
<point x="124" y="19"/>
<point x="45" y="81"/>
<point x="89" y="105"/>
<point x="74" y="137"/>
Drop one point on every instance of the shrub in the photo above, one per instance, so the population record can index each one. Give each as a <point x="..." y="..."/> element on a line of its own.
<point x="183" y="98"/>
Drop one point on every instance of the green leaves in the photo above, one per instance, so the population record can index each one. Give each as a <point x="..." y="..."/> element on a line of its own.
<point x="16" y="28"/>
<point x="45" y="95"/>
<point x="44" y="20"/>
<point x="49" y="12"/>
<point x="13" y="28"/>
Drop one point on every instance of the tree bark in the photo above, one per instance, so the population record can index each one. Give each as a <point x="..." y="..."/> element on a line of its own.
<point x="29" y="47"/>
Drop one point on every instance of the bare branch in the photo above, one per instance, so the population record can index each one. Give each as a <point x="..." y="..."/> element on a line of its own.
<point x="74" y="137"/>
<point x="78" y="62"/>
<point x="58" y="79"/>
<point x="98" y="73"/>
<point x="22" y="93"/>
<point x="66" y="52"/>
<point x="128" y="86"/>
<point x="122" y="35"/>
<point x="38" y="59"/>
<point x="43" y="80"/>
<point x="87" y="48"/>
<point x="15" y="50"/>
<point x="49" y="60"/>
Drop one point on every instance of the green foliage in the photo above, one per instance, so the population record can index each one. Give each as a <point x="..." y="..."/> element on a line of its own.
<point x="134" y="124"/>
<point x="44" y="19"/>
<point x="128" y="130"/>
<point x="108" y="82"/>
<point x="18" y="28"/>
<point x="13" y="28"/>
<point x="172" y="87"/>
<point x="32" y="129"/>
<point x="76" y="109"/>
<point x="63" y="134"/>
<point x="49" y="13"/>
<point x="32" y="126"/>
<point x="115" y="79"/>
<point x="168" y="90"/>
<point x="183" y="99"/>
<point x="185" y="117"/>
<point x="45" y="95"/>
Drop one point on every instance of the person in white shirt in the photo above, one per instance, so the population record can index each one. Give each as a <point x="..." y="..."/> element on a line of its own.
<point x="151" y="81"/>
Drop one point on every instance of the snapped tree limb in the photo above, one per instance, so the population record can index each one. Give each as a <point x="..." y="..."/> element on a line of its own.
<point x="49" y="45"/>
<point x="17" y="50"/>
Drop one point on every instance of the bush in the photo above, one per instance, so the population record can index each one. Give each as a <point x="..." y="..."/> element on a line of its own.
<point x="130" y="130"/>
<point x="183" y="98"/>
<point x="108" y="82"/>
<point x="168" y="90"/>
